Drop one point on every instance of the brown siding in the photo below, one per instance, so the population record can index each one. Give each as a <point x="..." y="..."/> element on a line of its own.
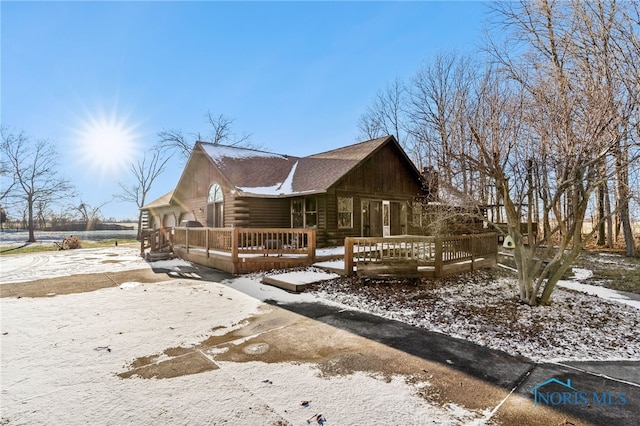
<point x="335" y="235"/>
<point x="269" y="212"/>
<point x="386" y="173"/>
<point x="236" y="212"/>
<point x="321" y="235"/>
<point x="193" y="190"/>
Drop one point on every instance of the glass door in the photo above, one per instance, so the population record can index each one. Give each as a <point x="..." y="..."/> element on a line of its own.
<point x="386" y="219"/>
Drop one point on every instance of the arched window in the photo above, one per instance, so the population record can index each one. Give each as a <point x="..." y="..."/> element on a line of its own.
<point x="215" y="209"/>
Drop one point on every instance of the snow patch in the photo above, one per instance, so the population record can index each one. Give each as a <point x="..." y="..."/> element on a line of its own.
<point x="129" y="284"/>
<point x="304" y="277"/>
<point x="580" y="274"/>
<point x="170" y="264"/>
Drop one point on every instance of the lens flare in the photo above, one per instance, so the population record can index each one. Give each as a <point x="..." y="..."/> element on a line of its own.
<point x="106" y="143"/>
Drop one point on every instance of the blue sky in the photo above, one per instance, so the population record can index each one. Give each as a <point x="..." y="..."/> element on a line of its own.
<point x="294" y="75"/>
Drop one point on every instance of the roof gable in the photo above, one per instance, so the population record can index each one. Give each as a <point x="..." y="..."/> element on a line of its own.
<point x="163" y="201"/>
<point x="265" y="174"/>
<point x="319" y="172"/>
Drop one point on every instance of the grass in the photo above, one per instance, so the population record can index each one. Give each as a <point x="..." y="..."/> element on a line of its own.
<point x="21" y="248"/>
<point x="611" y="270"/>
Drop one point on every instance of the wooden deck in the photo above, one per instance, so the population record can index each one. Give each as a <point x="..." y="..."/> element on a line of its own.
<point x="237" y="250"/>
<point x="244" y="250"/>
<point x="415" y="256"/>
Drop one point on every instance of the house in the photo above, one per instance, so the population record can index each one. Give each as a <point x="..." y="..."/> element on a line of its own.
<point x="365" y="189"/>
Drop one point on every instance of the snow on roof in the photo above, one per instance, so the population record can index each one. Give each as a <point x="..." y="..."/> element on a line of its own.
<point x="266" y="174"/>
<point x="280" y="188"/>
<point x="218" y="152"/>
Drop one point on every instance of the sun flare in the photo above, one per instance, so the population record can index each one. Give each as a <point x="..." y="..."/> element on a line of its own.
<point x="106" y="144"/>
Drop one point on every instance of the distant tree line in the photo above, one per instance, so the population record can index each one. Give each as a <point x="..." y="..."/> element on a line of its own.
<point x="33" y="193"/>
<point x="540" y="126"/>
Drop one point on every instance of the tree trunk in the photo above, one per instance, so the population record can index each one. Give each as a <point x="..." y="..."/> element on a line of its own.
<point x="139" y="235"/>
<point x="630" y="246"/>
<point x="623" y="192"/>
<point x="607" y="208"/>
<point x="30" y="223"/>
<point x="601" y="215"/>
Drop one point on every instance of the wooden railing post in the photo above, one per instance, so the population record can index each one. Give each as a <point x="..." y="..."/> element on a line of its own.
<point x="206" y="242"/>
<point x="312" y="245"/>
<point x="234" y="245"/>
<point x="438" y="257"/>
<point x="474" y="247"/>
<point x="348" y="256"/>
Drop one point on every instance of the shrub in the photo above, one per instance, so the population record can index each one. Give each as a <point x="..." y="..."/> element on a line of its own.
<point x="71" y="243"/>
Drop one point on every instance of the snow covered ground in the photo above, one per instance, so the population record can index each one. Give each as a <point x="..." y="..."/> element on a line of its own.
<point x="61" y="356"/>
<point x="51" y="264"/>
<point x="583" y="322"/>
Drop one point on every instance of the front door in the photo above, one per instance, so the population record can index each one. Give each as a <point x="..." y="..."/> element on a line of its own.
<point x="371" y="218"/>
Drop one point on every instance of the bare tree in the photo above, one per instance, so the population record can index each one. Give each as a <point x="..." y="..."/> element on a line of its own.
<point x="3" y="218"/>
<point x="89" y="214"/>
<point x="8" y="181"/>
<point x="175" y="141"/>
<point x="387" y="114"/>
<point x="221" y="132"/>
<point x="144" y="172"/>
<point x="438" y="92"/>
<point x="576" y="113"/>
<point x="35" y="168"/>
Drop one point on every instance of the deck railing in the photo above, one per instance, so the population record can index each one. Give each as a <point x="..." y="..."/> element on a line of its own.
<point x="435" y="252"/>
<point x="240" y="242"/>
<point x="155" y="240"/>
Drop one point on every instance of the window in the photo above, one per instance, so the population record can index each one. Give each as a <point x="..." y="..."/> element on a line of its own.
<point x="310" y="213"/>
<point x="215" y="207"/>
<point x="345" y="212"/>
<point x="215" y="194"/>
<point x="297" y="213"/>
<point x="304" y="212"/>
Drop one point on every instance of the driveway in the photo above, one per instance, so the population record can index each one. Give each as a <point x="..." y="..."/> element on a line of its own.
<point x="491" y="387"/>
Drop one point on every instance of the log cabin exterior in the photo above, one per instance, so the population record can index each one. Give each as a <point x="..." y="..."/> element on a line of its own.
<point x="367" y="189"/>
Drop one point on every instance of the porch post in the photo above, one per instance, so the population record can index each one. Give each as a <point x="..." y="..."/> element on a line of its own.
<point x="312" y="245"/>
<point x="206" y="237"/>
<point x="438" y="257"/>
<point x="348" y="256"/>
<point x="234" y="245"/>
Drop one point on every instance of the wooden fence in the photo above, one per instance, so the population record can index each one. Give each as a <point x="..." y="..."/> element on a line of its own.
<point x="416" y="256"/>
